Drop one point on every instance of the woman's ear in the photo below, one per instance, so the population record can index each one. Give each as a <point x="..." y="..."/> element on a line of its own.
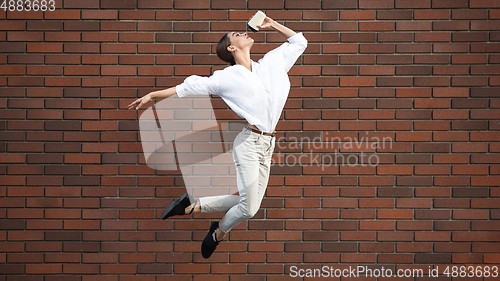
<point x="231" y="48"/>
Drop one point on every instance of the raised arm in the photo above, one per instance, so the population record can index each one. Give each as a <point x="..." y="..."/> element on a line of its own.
<point x="270" y="23"/>
<point x="161" y="94"/>
<point x="290" y="51"/>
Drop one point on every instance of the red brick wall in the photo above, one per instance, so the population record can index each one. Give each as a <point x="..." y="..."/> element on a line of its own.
<point x="78" y="201"/>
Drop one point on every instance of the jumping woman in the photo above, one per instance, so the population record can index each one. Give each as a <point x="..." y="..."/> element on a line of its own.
<point x="257" y="92"/>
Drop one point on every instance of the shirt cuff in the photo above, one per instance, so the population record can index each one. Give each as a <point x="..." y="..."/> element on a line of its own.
<point x="179" y="90"/>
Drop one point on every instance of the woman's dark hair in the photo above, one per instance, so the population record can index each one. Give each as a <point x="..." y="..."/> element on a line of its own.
<point x="222" y="51"/>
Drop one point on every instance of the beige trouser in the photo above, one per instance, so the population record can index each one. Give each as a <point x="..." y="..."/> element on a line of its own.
<point x="252" y="156"/>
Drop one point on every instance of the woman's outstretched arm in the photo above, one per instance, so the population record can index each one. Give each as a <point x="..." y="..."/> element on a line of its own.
<point x="161" y="94"/>
<point x="192" y="85"/>
<point x="270" y="23"/>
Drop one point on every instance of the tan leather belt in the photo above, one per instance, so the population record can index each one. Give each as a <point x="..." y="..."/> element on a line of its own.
<point x="262" y="133"/>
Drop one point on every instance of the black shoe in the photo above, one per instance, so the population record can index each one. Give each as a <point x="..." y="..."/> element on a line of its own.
<point x="178" y="207"/>
<point x="208" y="246"/>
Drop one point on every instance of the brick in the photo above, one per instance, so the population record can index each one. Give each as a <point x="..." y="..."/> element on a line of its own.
<point x="99" y="37"/>
<point x="419" y="247"/>
<point x="389" y="59"/>
<point x="357" y="37"/>
<point x="121" y="4"/>
<point x="479" y="25"/>
<point x="13" y="48"/>
<point x="136" y="15"/>
<point x="484" y="92"/>
<point x="413" y="25"/>
<point x="405" y="4"/>
<point x="432" y="103"/>
<point x="63" y="81"/>
<point x="413" y="70"/>
<point x="413" y="48"/>
<point x="190" y="26"/>
<point x="472" y="37"/>
<point x="222" y="4"/>
<point x="451" y="25"/>
<point x="483" y="4"/>
<point x="81" y="48"/>
<point x="100" y="14"/>
<point x="344" y="4"/>
<point x="115" y="26"/>
<point x="449" y="4"/>
<point x="24" y="36"/>
<point x="297" y="4"/>
<point x="263" y="5"/>
<point x="469" y="125"/>
<point x="450" y="48"/>
<point x="62" y="59"/>
<point x="431" y="14"/>
<point x="164" y="4"/>
<point x="452" y="203"/>
<point x="366" y="4"/>
<point x="118" y="48"/>
<point x="431" y="59"/>
<point x="142" y="37"/>
<point x="13" y="25"/>
<point x="50" y="269"/>
<point x="431" y="81"/>
<point x="414" y="180"/>
<point x="480" y="47"/>
<point x="199" y="4"/>
<point x="413" y="114"/>
<point x="88" y="5"/>
<point x="44" y="70"/>
<point x="69" y="15"/>
<point x="44" y="47"/>
<point x="450" y="70"/>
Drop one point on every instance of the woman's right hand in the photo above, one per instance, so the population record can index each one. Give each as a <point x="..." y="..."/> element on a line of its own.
<point x="267" y="23"/>
<point x="140" y="102"/>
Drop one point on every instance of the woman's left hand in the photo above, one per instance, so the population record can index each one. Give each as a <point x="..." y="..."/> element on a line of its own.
<point x="138" y="103"/>
<point x="267" y="23"/>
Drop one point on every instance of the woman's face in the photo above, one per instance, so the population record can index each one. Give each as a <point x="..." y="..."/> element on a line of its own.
<point x="240" y="40"/>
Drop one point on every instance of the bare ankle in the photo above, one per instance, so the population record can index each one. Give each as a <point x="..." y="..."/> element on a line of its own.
<point x="219" y="235"/>
<point x="193" y="208"/>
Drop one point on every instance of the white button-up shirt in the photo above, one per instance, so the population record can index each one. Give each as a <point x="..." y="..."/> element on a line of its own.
<point x="258" y="95"/>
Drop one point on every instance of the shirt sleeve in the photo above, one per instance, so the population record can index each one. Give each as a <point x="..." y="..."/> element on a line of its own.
<point x="197" y="85"/>
<point x="290" y="51"/>
<point x="294" y="49"/>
